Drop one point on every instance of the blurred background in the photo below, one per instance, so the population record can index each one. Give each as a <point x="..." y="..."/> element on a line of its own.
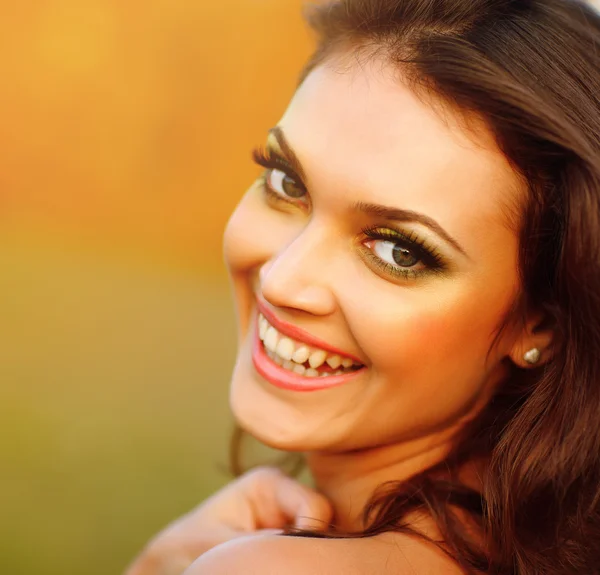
<point x="125" y="137"/>
<point x="125" y="132"/>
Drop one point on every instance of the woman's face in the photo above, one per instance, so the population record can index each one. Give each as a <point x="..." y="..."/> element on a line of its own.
<point x="380" y="232"/>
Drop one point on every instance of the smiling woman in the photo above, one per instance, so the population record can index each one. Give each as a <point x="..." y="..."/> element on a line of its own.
<point x="416" y="278"/>
<point x="323" y="258"/>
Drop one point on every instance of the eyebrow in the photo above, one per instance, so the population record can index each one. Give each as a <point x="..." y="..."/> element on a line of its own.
<point x="401" y="215"/>
<point x="287" y="151"/>
<point x="388" y="213"/>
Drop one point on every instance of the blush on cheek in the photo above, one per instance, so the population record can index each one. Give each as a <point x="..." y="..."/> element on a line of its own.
<point x="431" y="340"/>
<point x="462" y="336"/>
<point x="434" y="337"/>
<point x="431" y="331"/>
<point x="450" y="332"/>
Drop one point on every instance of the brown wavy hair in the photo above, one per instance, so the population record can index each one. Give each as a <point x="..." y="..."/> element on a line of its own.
<point x="531" y="70"/>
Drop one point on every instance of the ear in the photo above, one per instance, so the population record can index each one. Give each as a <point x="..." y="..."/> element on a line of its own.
<point x="536" y="333"/>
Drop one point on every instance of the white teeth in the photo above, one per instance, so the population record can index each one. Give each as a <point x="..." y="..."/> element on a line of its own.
<point x="291" y="355"/>
<point x="301" y="354"/>
<point x="299" y="369"/>
<point x="271" y="338"/>
<point x="285" y="348"/>
<point x="317" y="358"/>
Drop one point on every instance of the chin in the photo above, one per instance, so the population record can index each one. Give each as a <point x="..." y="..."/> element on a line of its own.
<point x="271" y="438"/>
<point x="268" y="423"/>
<point x="272" y="418"/>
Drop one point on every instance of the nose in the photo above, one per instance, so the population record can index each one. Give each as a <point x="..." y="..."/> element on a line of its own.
<point x="297" y="277"/>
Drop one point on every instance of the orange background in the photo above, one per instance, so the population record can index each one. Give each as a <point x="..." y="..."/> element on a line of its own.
<point x="136" y="117"/>
<point x="125" y="132"/>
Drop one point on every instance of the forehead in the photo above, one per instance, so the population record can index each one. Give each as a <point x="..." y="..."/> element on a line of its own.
<point x="362" y="134"/>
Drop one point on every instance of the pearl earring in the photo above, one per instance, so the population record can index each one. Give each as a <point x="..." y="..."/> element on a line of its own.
<point x="532" y="356"/>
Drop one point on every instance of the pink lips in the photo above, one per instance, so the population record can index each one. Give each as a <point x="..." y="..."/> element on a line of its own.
<point x="298" y="334"/>
<point x="285" y="379"/>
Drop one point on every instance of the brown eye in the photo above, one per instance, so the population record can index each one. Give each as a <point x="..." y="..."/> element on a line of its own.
<point x="401" y="254"/>
<point x="284" y="185"/>
<point x="394" y="254"/>
<point x="404" y="257"/>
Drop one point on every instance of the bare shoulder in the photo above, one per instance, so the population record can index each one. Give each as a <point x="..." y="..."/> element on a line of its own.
<point x="392" y="553"/>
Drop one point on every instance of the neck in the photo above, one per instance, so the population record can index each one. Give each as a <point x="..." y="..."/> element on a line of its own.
<point x="349" y="479"/>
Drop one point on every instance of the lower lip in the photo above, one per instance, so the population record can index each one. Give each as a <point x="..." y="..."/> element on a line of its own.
<point x="284" y="379"/>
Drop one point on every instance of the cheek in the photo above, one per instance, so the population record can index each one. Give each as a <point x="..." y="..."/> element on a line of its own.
<point x="428" y="359"/>
<point x="411" y="338"/>
<point x="254" y="234"/>
<point x="242" y="248"/>
<point x="426" y="333"/>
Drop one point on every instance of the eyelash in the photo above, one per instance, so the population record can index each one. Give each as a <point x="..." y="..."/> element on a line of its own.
<point x="270" y="161"/>
<point x="428" y="255"/>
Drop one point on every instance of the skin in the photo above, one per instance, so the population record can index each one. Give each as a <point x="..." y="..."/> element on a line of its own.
<point x="427" y="341"/>
<point x="259" y="504"/>
<point x="427" y="338"/>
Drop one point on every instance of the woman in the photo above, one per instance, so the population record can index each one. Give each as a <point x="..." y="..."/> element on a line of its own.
<point x="417" y="282"/>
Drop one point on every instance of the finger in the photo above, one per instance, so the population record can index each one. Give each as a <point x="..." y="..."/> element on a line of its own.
<point x="269" y="499"/>
<point x="315" y="513"/>
<point x="304" y="507"/>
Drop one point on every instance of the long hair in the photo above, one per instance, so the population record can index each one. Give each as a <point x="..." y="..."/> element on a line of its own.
<point x="531" y="70"/>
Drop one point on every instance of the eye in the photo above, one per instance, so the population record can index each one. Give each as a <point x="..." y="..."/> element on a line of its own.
<point x="394" y="253"/>
<point x="284" y="185"/>
<point x="401" y="254"/>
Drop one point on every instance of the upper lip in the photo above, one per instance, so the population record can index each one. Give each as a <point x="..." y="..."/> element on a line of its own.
<point x="299" y="334"/>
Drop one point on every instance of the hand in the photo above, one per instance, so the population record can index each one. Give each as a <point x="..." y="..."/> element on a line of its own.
<point x="260" y="501"/>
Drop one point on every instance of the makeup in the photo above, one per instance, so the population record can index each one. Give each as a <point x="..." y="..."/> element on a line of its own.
<point x="296" y="333"/>
<point x="421" y="258"/>
<point x="292" y="359"/>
